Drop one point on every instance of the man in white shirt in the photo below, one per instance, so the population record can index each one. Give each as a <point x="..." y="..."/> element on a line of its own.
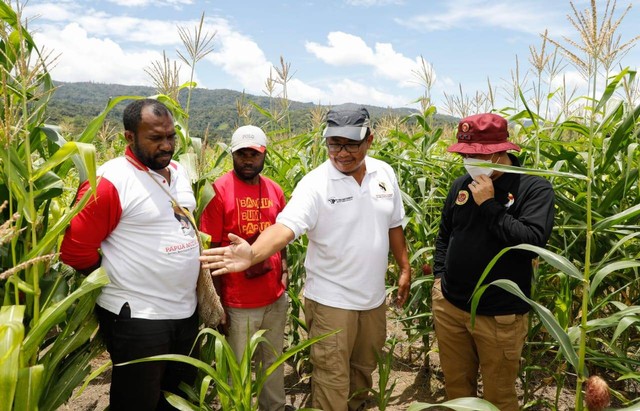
<point x="351" y="209"/>
<point x="149" y="249"/>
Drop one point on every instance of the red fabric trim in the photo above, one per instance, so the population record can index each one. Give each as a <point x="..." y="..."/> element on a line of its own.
<point x="134" y="160"/>
<point x="91" y="225"/>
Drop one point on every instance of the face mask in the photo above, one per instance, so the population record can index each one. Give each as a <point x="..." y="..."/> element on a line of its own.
<point x="475" y="171"/>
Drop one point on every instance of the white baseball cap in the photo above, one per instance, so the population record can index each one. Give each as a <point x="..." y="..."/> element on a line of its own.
<point x="249" y="137"/>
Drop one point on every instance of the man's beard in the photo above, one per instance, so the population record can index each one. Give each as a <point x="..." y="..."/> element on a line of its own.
<point x="152" y="162"/>
<point x="248" y="173"/>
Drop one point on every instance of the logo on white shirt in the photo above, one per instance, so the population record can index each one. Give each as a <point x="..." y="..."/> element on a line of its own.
<point x="334" y="200"/>
<point x="382" y="190"/>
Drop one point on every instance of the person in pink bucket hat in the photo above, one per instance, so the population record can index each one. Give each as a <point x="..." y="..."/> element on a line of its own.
<point x="485" y="211"/>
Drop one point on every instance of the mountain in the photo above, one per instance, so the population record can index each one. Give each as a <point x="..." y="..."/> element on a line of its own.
<point x="75" y="104"/>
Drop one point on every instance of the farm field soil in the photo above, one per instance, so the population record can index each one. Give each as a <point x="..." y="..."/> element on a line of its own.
<point x="414" y="381"/>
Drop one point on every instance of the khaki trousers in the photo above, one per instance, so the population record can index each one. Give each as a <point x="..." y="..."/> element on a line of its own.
<point x="343" y="362"/>
<point x="494" y="345"/>
<point x="244" y="322"/>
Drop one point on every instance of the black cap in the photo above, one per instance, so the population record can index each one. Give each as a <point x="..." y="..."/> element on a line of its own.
<point x="351" y="124"/>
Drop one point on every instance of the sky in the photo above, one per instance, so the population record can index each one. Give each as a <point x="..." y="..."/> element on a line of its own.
<point x="359" y="51"/>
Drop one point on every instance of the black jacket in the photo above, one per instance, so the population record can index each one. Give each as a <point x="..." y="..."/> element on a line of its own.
<point x="470" y="236"/>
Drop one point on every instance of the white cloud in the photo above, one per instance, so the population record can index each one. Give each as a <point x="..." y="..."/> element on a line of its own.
<point x="526" y="17"/>
<point x="349" y="91"/>
<point x="131" y="29"/>
<point x="61" y="11"/>
<point x="240" y="57"/>
<point x="395" y="66"/>
<point x="572" y="79"/>
<point x="345" y="49"/>
<point x="97" y="46"/>
<point x="301" y="91"/>
<point x="83" y="58"/>
<point x="123" y="29"/>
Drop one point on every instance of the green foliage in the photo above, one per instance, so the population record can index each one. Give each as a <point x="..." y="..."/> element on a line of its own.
<point x="586" y="290"/>
<point x="596" y="259"/>
<point x="46" y="318"/>
<point x="382" y="395"/>
<point x="237" y="384"/>
<point x="74" y="104"/>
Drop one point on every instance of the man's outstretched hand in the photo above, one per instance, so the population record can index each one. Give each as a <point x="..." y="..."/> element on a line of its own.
<point x="230" y="259"/>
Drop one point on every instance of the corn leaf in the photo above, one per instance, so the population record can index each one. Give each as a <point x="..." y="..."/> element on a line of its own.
<point x="600" y="275"/>
<point x="95" y="373"/>
<point x="624" y="323"/>
<point x="56" y="313"/>
<point x="617" y="218"/>
<point x="531" y="171"/>
<point x="613" y="319"/>
<point x="11" y="337"/>
<point x="85" y="151"/>
<point x="52" y="235"/>
<point x="74" y="335"/>
<point x="179" y="402"/>
<point x="459" y="404"/>
<point x="555" y="260"/>
<point x="29" y="388"/>
<point x="72" y="372"/>
<point x="635" y="407"/>
<point x="547" y="318"/>
<point x="93" y="128"/>
<point x="612" y="85"/>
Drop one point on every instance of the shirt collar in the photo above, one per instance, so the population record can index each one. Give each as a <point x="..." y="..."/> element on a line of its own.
<point x="334" y="174"/>
<point x="135" y="162"/>
<point x="131" y="158"/>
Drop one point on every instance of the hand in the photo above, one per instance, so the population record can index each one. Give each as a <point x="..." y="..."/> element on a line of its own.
<point x="223" y="327"/>
<point x="233" y="258"/>
<point x="481" y="189"/>
<point x="404" y="284"/>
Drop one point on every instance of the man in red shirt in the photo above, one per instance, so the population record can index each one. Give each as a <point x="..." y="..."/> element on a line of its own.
<point x="245" y="204"/>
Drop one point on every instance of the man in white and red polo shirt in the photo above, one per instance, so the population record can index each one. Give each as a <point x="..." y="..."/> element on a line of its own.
<point x="138" y="219"/>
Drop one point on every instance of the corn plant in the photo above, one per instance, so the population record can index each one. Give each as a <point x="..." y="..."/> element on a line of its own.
<point x="414" y="148"/>
<point x="236" y="384"/>
<point x="382" y="395"/>
<point x="593" y="250"/>
<point x="47" y="325"/>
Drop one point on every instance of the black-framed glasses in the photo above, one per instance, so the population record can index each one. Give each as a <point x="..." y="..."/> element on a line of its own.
<point x="335" y="148"/>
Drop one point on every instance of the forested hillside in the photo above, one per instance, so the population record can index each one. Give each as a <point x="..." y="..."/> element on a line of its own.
<point x="74" y="104"/>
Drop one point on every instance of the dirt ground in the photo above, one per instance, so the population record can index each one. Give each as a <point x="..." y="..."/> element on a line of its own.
<point x="414" y="381"/>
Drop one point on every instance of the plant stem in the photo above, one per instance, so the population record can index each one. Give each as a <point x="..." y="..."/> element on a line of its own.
<point x="589" y="234"/>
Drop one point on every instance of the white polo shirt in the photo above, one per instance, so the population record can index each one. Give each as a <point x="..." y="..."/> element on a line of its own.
<point x="348" y="230"/>
<point x="150" y="251"/>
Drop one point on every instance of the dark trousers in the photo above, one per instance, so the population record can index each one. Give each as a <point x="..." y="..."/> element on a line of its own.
<point x="139" y="386"/>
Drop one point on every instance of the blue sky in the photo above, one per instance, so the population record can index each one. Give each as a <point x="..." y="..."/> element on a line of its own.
<point x="361" y="51"/>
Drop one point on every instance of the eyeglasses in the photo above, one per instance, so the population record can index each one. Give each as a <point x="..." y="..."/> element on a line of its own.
<point x="335" y="148"/>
